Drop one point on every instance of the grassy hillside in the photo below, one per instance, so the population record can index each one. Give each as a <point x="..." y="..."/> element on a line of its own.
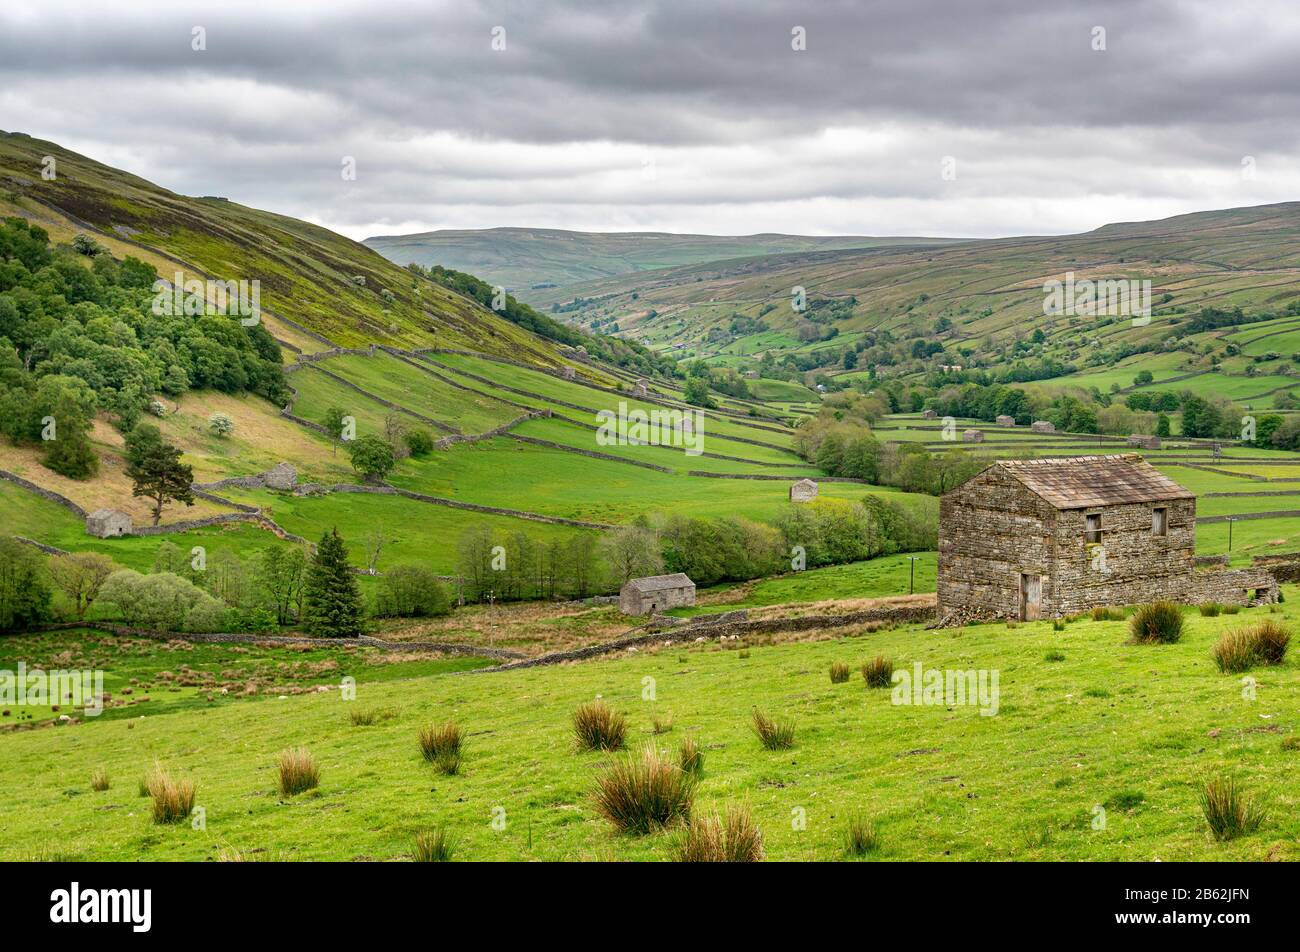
<point x="1086" y="726"/>
<point x="527" y="261"/>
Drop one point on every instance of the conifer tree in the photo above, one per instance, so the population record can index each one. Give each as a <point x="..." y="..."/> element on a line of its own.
<point x="333" y="607"/>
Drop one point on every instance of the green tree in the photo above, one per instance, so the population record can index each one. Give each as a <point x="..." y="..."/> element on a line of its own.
<point x="156" y="471"/>
<point x="69" y="452"/>
<point x="1162" y="425"/>
<point x="332" y="604"/>
<point x="697" y="392"/>
<point x="372" y="458"/>
<point x="335" y="423"/>
<point x="24" y="594"/>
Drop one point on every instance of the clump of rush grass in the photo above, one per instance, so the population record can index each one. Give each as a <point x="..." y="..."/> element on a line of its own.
<point x="644" y="792"/>
<point x="1054" y="656"/>
<point x="172" y="799"/>
<point x="690" y="758"/>
<point x="1264" y="643"/>
<point x="1231" y="609"/>
<point x="661" y="724"/>
<point x="733" y="838"/>
<point x="774" y="735"/>
<point x="298" y="770"/>
<point x="861" y="837"/>
<point x="1271" y="641"/>
<point x="367" y="717"/>
<point x="597" y="726"/>
<point x="840" y="672"/>
<point x="433" y="846"/>
<point x="99" y="779"/>
<point x="442" y="746"/>
<point x="1229" y="812"/>
<point x="1209" y="609"/>
<point x="878" y="672"/>
<point x="1107" y="613"/>
<point x="1233" y="652"/>
<point x="1157" y="623"/>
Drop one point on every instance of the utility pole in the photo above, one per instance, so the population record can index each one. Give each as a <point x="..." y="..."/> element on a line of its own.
<point x="911" y="575"/>
<point x="1230" y="522"/>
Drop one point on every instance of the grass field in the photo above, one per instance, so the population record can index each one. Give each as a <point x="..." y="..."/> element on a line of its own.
<point x="1084" y="721"/>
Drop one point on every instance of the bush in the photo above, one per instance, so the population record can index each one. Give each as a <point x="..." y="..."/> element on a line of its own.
<point x="691" y="758"/>
<point x="172" y="799"/>
<point x="878" y="672"/>
<point x="714" y="839"/>
<point x="1209" y="609"/>
<point x="221" y="425"/>
<point x="418" y="442"/>
<point x="441" y="746"/>
<point x="1157" y="623"/>
<point x="99" y="779"/>
<point x="643" y="793"/>
<point x="1229" y="812"/>
<point x="433" y="846"/>
<point x="411" y="591"/>
<point x="773" y="735"/>
<point x="840" y="672"/>
<point x="298" y="771"/>
<point x="861" y="837"/>
<point x="598" y="727"/>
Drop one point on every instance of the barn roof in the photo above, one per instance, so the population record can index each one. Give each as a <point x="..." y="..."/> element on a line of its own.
<point x="1081" y="482"/>
<point x="657" y="583"/>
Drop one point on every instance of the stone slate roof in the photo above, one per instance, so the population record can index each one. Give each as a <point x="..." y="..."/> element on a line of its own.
<point x="657" y="583"/>
<point x="1083" y="482"/>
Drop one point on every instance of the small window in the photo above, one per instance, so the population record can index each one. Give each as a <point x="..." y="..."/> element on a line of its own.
<point x="1092" y="529"/>
<point x="1159" y="521"/>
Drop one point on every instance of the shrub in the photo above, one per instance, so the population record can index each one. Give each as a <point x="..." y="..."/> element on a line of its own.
<point x="99" y="779"/>
<point x="1209" y="609"/>
<point x="861" y="837"/>
<point x="1058" y="625"/>
<point x="221" y="425"/>
<point x="411" y="591"/>
<point x="172" y="799"/>
<point x="1229" y="812"/>
<point x="597" y="726"/>
<point x="878" y="672"/>
<point x="642" y="793"/>
<point x="691" y="758"/>
<point x="418" y="442"/>
<point x="441" y="746"/>
<point x="1233" y="652"/>
<point x="773" y="735"/>
<point x="1271" y="641"/>
<point x="1157" y="623"/>
<point x="433" y="846"/>
<point x="298" y="771"/>
<point x="731" y="839"/>
<point x="840" y="672"/>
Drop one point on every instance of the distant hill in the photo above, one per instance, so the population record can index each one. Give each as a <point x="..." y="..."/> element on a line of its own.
<point x="522" y="259"/>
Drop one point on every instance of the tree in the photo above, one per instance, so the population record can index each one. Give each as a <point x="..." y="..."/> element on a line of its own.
<point x="372" y="458"/>
<point x="411" y="591"/>
<point x="632" y="552"/>
<point x="221" y="425"/>
<point x="1162" y="425"/>
<point x="280" y="571"/>
<point x="335" y="424"/>
<point x="81" y="576"/>
<point x="24" y="595"/>
<point x="697" y="392"/>
<point x="332" y="603"/>
<point x="156" y="470"/>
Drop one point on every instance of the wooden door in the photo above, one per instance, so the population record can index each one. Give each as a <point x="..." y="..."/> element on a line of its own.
<point x="1031" y="597"/>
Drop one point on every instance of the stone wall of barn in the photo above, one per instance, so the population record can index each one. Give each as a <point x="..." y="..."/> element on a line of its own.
<point x="991" y="529"/>
<point x="1132" y="565"/>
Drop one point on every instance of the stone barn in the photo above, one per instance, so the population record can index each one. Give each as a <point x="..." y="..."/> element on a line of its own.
<point x="1005" y="420"/>
<point x="805" y="490"/>
<point x="1142" y="441"/>
<point x="1045" y="538"/>
<point x="1043" y="426"/>
<point x="641" y="387"/>
<point x="973" y="436"/>
<point x="644" y="596"/>
<point x="928" y="415"/>
<point x="106" y="523"/>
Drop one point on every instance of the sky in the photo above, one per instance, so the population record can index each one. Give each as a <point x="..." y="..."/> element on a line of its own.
<point x="853" y="117"/>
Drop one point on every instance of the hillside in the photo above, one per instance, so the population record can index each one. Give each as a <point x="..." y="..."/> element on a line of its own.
<point x="530" y="261"/>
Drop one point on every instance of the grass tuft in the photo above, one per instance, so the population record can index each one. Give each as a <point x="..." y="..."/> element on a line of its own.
<point x="840" y="672"/>
<point x="298" y="771"/>
<point x="861" y="837"/>
<point x="661" y="725"/>
<point x="99" y="779"/>
<point x="878" y="672"/>
<point x="646" y="792"/>
<point x="433" y="846"/>
<point x="773" y="735"/>
<point x="734" y="838"/>
<point x="441" y="745"/>
<point x="1263" y="643"/>
<point x="690" y="758"/>
<point x="597" y="726"/>
<point x="172" y="799"/>
<point x="1157" y="623"/>
<point x="1229" y="812"/>
<point x="1209" y="609"/>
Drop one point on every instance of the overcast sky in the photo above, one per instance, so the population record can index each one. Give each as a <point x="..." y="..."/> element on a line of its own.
<point x="692" y="116"/>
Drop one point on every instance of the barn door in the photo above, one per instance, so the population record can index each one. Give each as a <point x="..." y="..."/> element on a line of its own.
<point x="1031" y="596"/>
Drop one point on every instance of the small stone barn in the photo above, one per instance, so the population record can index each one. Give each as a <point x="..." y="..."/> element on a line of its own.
<point x="644" y="596"/>
<point x="805" y="490"/>
<point x="973" y="436"/>
<point x="1005" y="420"/>
<point x="106" y="523"/>
<point x="1042" y="426"/>
<point x="928" y="414"/>
<point x="1143" y="441"/>
<point x="1042" y="538"/>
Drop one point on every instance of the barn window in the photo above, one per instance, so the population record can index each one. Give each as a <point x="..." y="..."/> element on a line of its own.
<point x="1092" y="528"/>
<point x="1159" y="521"/>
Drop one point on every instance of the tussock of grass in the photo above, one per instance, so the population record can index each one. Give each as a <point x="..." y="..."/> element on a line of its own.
<point x="734" y="838"/>
<point x="1229" y="812"/>
<point x="1271" y="642"/>
<point x="172" y="799"/>
<point x="690" y="758"/>
<point x="1209" y="609"/>
<point x="1231" y="609"/>
<point x="861" y="837"/>
<point x="367" y="717"/>
<point x="1233" y="652"/>
<point x="597" y="726"/>
<point x="661" y="724"/>
<point x="772" y="734"/>
<point x="1263" y="643"/>
<point x="1291" y="743"/>
<point x="840" y="672"/>
<point x="298" y="771"/>
<point x="99" y="779"/>
<point x="1157" y="623"/>
<point x="878" y="672"/>
<point x="1054" y="656"/>
<point x="1107" y="613"/>
<point x="642" y="793"/>
<point x="439" y="740"/>
<point x="433" y="846"/>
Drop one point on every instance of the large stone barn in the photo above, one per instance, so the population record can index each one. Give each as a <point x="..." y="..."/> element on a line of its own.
<point x="1040" y="538"/>
<point x="644" y="596"/>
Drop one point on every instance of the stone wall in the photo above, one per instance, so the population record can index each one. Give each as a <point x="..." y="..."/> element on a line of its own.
<point x="63" y="501"/>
